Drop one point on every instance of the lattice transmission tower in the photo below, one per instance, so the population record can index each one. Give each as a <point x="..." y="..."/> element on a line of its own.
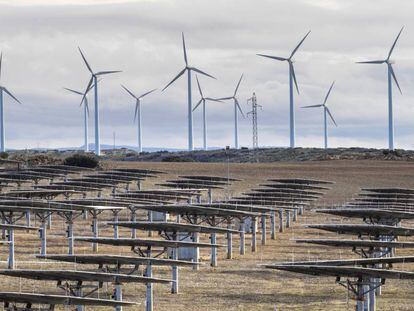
<point x="253" y="113"/>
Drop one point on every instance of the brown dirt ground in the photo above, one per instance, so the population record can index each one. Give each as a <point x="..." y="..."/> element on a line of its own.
<point x="241" y="284"/>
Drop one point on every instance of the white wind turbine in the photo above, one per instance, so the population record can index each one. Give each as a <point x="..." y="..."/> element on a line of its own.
<point x="2" y="91"/>
<point x="236" y="109"/>
<point x="203" y="101"/>
<point x="94" y="81"/>
<point x="189" y="69"/>
<point x="391" y="76"/>
<point x="85" y="114"/>
<point x="137" y="114"/>
<point x="325" y="113"/>
<point x="292" y="79"/>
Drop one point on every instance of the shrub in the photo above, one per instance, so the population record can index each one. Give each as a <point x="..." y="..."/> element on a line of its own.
<point x="4" y="155"/>
<point x="82" y="160"/>
<point x="177" y="159"/>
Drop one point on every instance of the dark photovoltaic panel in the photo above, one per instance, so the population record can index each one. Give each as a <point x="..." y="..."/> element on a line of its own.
<point x="294" y="186"/>
<point x="389" y="190"/>
<point x="195" y="210"/>
<point x="72" y="275"/>
<point x="357" y="243"/>
<point x="17" y="227"/>
<point x="172" y="227"/>
<point x="144" y="243"/>
<point x="351" y="262"/>
<point x="367" y="213"/>
<point x="210" y="178"/>
<point x="354" y="272"/>
<point x="302" y="181"/>
<point x="365" y="229"/>
<point x="188" y="185"/>
<point x="29" y="298"/>
<point x="118" y="260"/>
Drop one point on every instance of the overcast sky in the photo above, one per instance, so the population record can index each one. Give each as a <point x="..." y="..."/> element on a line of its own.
<point x="39" y="40"/>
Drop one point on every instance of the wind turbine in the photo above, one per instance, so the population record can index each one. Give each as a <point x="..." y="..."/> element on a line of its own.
<point x="85" y="113"/>
<point x="292" y="79"/>
<point x="2" y="130"/>
<point x="189" y="69"/>
<point x="236" y="108"/>
<point x="325" y="112"/>
<point x="391" y="76"/>
<point x="94" y="81"/>
<point x="203" y="101"/>
<point x="137" y="114"/>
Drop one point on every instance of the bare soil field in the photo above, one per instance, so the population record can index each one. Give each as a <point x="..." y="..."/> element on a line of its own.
<point x="241" y="283"/>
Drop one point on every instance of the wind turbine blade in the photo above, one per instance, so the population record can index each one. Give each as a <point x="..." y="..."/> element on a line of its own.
<point x="329" y="92"/>
<point x="393" y="45"/>
<point x="11" y="95"/>
<point x="273" y="57"/>
<point x="198" y="104"/>
<point x="136" y="111"/>
<point x="225" y="98"/>
<point x="86" y="91"/>
<point x="394" y="77"/>
<point x="87" y="108"/>
<point x="73" y="91"/>
<point x="184" y="49"/>
<point x="145" y="94"/>
<point x="330" y="115"/>
<point x="372" y="62"/>
<point x="177" y="76"/>
<point x="201" y="72"/>
<point x="199" y="87"/>
<point x="86" y="62"/>
<point x="313" y="106"/>
<point x="100" y="73"/>
<point x="129" y="92"/>
<point x="300" y="43"/>
<point x="213" y="99"/>
<point x="238" y="84"/>
<point x="238" y="106"/>
<point x="294" y="76"/>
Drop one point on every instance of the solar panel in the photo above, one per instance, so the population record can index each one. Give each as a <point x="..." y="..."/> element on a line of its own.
<point x="30" y="298"/>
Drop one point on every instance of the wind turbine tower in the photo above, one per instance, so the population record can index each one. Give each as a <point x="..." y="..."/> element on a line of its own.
<point x="326" y="112"/>
<point x="189" y="70"/>
<point x="137" y="114"/>
<point x="2" y="129"/>
<point x="391" y="76"/>
<point x="237" y="108"/>
<point x="253" y="113"/>
<point x="94" y="81"/>
<point x="203" y="101"/>
<point x="292" y="79"/>
<point x="85" y="115"/>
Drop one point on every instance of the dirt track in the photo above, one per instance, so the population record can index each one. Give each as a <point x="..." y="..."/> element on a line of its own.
<point x="240" y="284"/>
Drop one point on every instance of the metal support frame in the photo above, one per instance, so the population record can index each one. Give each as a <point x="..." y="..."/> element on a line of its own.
<point x="263" y="222"/>
<point x="149" y="304"/>
<point x="280" y="220"/>
<point x="287" y="219"/>
<point x="254" y="233"/>
<point x="242" y="237"/>
<point x="229" y="242"/>
<point x="273" y="225"/>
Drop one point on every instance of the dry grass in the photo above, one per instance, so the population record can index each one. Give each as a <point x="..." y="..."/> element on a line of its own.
<point x="241" y="284"/>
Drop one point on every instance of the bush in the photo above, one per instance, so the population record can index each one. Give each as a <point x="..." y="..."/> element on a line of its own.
<point x="177" y="159"/>
<point x="4" y="155"/>
<point x="82" y="160"/>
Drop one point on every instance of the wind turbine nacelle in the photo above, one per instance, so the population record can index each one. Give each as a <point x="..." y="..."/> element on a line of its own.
<point x="391" y="61"/>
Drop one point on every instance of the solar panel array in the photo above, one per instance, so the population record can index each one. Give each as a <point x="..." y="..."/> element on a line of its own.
<point x="177" y="218"/>
<point x="381" y="211"/>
